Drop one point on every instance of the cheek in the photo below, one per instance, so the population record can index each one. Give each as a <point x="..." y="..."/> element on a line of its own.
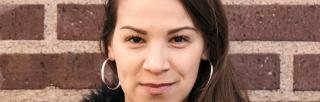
<point x="127" y="73"/>
<point x="187" y="70"/>
<point x="128" y="65"/>
<point x="187" y="66"/>
<point x="188" y="59"/>
<point x="126" y="60"/>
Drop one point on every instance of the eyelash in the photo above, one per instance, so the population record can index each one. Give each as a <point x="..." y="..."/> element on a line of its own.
<point x="184" y="38"/>
<point x="132" y="37"/>
<point x="137" y="37"/>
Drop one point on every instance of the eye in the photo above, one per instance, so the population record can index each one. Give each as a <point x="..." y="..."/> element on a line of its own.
<point x="135" y="39"/>
<point x="179" y="39"/>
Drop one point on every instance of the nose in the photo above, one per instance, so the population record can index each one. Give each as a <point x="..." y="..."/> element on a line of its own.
<point x="156" y="61"/>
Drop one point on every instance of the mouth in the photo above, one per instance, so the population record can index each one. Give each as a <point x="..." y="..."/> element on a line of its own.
<point x="157" y="88"/>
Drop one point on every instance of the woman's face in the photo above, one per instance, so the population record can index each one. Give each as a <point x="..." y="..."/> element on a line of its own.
<point x="157" y="50"/>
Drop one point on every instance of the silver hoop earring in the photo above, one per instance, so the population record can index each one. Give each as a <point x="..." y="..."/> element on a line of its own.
<point x="211" y="71"/>
<point x="103" y="79"/>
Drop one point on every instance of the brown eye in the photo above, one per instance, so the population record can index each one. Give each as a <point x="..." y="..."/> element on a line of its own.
<point x="135" y="39"/>
<point x="178" y="39"/>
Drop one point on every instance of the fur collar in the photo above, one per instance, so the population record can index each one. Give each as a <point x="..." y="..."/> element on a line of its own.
<point x="103" y="94"/>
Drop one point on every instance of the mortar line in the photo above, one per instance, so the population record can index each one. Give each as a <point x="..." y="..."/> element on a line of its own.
<point x="286" y="74"/>
<point x="50" y="22"/>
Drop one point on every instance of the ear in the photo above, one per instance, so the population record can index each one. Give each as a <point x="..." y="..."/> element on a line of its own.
<point x="204" y="55"/>
<point x="110" y="52"/>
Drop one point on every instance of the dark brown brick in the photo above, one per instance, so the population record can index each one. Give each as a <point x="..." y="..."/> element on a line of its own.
<point x="34" y="71"/>
<point x="21" y="22"/>
<point x="306" y="73"/>
<point x="80" y="22"/>
<point x="75" y="70"/>
<point x="257" y="71"/>
<point x="274" y="22"/>
<point x="1" y="79"/>
<point x="22" y="71"/>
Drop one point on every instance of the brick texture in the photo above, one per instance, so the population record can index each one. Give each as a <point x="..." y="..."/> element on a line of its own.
<point x="257" y="71"/>
<point x="80" y="22"/>
<point x="274" y="22"/>
<point x="1" y="80"/>
<point x="22" y="71"/>
<point x="306" y="73"/>
<point x="75" y="71"/>
<point x="34" y="71"/>
<point x="247" y="22"/>
<point x="21" y="22"/>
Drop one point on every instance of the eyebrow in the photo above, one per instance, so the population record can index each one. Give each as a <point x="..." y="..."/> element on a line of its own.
<point x="171" y="31"/>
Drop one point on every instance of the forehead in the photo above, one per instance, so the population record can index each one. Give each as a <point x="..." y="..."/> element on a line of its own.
<point x="146" y="13"/>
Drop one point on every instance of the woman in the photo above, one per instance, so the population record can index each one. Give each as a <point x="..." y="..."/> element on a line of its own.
<point x="166" y="51"/>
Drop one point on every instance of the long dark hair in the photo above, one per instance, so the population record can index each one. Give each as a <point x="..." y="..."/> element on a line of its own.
<point x="208" y="16"/>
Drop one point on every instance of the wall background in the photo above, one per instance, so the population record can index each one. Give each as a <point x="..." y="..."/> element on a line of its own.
<point x="49" y="49"/>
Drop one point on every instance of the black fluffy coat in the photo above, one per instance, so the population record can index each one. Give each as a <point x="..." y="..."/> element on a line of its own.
<point x="103" y="94"/>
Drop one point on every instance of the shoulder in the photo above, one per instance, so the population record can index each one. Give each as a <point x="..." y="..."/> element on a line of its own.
<point x="103" y="94"/>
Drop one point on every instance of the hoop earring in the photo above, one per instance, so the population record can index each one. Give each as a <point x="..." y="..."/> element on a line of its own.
<point x="211" y="71"/>
<point x="102" y="76"/>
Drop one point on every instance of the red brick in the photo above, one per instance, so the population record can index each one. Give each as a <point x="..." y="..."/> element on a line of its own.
<point x="80" y="22"/>
<point x="306" y="73"/>
<point x="257" y="71"/>
<point x="22" y="71"/>
<point x="1" y="79"/>
<point x="21" y="22"/>
<point x="247" y="22"/>
<point x="34" y="71"/>
<point x="274" y="22"/>
<point x="75" y="70"/>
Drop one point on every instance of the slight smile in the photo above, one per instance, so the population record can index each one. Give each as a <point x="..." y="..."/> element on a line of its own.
<point x="157" y="88"/>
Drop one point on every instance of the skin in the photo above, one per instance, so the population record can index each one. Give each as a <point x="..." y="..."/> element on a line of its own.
<point x="155" y="42"/>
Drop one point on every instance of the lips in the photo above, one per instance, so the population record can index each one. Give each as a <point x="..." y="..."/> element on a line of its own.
<point x="157" y="88"/>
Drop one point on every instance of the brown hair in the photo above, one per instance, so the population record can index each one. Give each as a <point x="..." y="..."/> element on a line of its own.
<point x="209" y="17"/>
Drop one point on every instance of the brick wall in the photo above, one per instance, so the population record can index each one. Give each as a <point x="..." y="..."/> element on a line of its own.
<point x="46" y="44"/>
